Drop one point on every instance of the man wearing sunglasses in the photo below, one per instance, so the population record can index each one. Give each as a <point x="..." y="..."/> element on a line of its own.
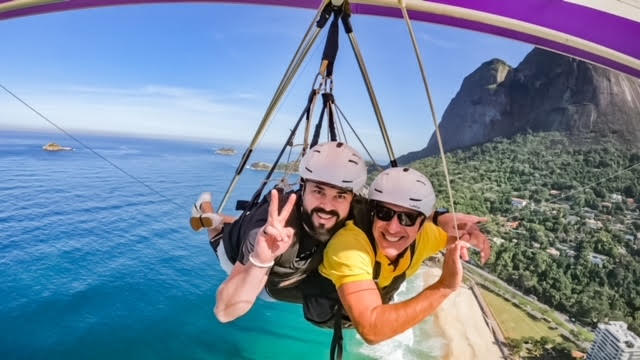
<point x="368" y="265"/>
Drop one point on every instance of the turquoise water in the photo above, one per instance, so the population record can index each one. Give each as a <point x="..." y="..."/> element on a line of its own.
<point x="95" y="265"/>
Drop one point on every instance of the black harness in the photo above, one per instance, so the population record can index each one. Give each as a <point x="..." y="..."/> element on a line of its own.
<point x="322" y="305"/>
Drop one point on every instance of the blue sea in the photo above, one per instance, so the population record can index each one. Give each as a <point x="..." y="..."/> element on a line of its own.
<point x="95" y="265"/>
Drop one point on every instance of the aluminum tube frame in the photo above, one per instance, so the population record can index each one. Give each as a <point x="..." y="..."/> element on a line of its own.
<point x="372" y="97"/>
<point x="307" y="128"/>
<point x="301" y="53"/>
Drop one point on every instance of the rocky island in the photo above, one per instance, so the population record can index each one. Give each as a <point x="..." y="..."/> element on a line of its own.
<point x="55" y="147"/>
<point x="291" y="167"/>
<point x="226" y="151"/>
<point x="260" y="165"/>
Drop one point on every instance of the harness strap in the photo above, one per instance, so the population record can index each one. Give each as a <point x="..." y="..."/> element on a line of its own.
<point x="377" y="267"/>
<point x="336" y="340"/>
<point x="331" y="45"/>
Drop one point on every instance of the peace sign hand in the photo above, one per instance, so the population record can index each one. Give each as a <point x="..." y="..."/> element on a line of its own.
<point x="274" y="238"/>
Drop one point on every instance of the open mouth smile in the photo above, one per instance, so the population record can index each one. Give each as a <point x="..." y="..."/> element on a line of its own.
<point x="390" y="238"/>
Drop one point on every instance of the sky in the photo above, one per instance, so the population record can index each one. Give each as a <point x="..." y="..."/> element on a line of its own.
<point x="209" y="71"/>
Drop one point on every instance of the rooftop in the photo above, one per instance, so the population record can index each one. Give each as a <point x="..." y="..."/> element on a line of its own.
<point x="619" y="330"/>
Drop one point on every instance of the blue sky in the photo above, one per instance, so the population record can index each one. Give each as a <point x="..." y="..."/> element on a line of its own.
<point x="209" y="71"/>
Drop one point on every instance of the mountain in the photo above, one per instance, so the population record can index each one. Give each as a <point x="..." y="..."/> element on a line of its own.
<point x="545" y="92"/>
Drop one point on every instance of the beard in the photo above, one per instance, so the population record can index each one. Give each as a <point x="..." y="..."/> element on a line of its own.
<point x="320" y="231"/>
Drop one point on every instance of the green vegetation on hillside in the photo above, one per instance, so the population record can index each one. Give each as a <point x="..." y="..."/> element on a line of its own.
<point x="571" y="244"/>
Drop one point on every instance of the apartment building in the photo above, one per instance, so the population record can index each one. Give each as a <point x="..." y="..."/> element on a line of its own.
<point x="614" y="342"/>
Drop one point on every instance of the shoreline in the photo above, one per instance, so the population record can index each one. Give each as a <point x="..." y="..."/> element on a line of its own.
<point x="461" y="322"/>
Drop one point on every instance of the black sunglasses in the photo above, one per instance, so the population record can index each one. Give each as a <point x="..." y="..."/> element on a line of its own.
<point x="384" y="213"/>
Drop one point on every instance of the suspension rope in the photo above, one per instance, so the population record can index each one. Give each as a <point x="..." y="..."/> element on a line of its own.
<point x="136" y="179"/>
<point x="339" y="121"/>
<point x="359" y="139"/>
<point x="433" y="111"/>
<point x="439" y="138"/>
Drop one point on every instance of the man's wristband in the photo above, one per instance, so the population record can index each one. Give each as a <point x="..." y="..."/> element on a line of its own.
<point x="437" y="214"/>
<point x="259" y="264"/>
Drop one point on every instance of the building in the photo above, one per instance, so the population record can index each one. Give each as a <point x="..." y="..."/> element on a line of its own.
<point x="497" y="240"/>
<point x="618" y="227"/>
<point x="512" y="224"/>
<point x="569" y="252"/>
<point x="518" y="203"/>
<point x="614" y="342"/>
<point x="598" y="259"/>
<point x="615" y="198"/>
<point x="593" y="224"/>
<point x="552" y="251"/>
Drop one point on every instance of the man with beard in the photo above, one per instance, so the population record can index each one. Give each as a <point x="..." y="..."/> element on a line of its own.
<point x="276" y="255"/>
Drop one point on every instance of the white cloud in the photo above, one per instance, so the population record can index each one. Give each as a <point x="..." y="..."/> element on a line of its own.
<point x="149" y="110"/>
<point x="436" y="41"/>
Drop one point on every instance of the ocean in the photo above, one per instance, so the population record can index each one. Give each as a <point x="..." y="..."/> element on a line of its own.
<point x="95" y="265"/>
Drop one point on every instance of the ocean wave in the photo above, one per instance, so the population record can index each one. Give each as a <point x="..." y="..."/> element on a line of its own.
<point x="422" y="342"/>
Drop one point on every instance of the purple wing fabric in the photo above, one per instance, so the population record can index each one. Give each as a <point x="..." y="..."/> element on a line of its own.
<point x="596" y="35"/>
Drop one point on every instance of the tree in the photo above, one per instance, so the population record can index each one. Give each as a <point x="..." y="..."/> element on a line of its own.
<point x="515" y="346"/>
<point x="630" y="190"/>
<point x="599" y="192"/>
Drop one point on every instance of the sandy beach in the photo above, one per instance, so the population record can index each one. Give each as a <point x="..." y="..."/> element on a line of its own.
<point x="462" y="325"/>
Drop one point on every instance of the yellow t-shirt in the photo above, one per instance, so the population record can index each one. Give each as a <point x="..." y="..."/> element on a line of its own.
<point x="349" y="256"/>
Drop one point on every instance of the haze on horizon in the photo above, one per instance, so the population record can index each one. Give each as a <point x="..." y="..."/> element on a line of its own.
<point x="208" y="71"/>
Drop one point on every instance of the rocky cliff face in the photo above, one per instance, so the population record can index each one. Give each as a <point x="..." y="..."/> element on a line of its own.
<point x="547" y="91"/>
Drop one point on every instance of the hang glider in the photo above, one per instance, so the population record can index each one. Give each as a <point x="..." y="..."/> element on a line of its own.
<point x="604" y="32"/>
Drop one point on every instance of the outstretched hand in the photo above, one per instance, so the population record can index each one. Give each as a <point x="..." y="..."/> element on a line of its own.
<point x="467" y="225"/>
<point x="274" y="238"/>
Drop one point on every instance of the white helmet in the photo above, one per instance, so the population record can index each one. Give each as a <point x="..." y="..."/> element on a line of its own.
<point x="334" y="163"/>
<point x="404" y="187"/>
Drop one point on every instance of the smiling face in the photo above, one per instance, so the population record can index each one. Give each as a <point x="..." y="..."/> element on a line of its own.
<point x="392" y="237"/>
<point x="326" y="206"/>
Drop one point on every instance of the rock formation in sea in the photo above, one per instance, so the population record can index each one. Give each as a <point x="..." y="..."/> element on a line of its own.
<point x="259" y="165"/>
<point x="55" y="147"/>
<point x="226" y="151"/>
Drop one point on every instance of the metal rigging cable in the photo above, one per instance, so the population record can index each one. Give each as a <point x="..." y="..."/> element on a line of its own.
<point x="91" y="149"/>
<point x="433" y="111"/>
